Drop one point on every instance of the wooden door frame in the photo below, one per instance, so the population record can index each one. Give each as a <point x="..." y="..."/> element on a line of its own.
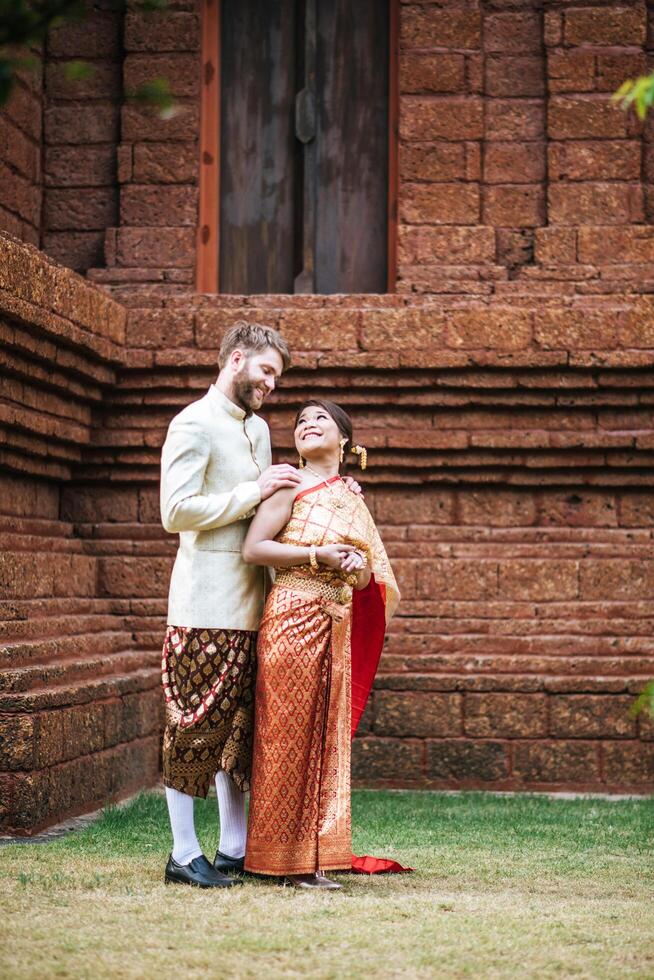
<point x="207" y="255"/>
<point x="208" y="229"/>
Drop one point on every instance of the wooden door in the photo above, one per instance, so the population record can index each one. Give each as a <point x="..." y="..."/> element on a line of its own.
<point x="352" y="147"/>
<point x="304" y="146"/>
<point x="258" y="146"/>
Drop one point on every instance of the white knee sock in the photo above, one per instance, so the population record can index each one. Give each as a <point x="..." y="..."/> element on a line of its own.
<point x="231" y="807"/>
<point x="186" y="845"/>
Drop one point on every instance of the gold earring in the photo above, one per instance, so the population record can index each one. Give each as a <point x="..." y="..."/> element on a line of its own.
<point x="300" y="463"/>
<point x="342" y="452"/>
<point x="362" y="453"/>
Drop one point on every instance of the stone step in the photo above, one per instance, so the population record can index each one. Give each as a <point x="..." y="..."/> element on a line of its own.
<point x="574" y="667"/>
<point x="41" y="609"/>
<point x="20" y="679"/>
<point x="83" y="691"/>
<point x="508" y="682"/>
<point x="32" y="544"/>
<point x="56" y="648"/>
<point x="12" y="631"/>
<point x="38" y="526"/>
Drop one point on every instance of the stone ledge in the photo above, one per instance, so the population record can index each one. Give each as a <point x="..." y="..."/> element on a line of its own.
<point x="28" y="275"/>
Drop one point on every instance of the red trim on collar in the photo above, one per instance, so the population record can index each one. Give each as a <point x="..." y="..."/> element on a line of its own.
<point x="324" y="483"/>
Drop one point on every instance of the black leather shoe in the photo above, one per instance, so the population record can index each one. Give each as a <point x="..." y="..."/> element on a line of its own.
<point x="198" y="872"/>
<point x="228" y="865"/>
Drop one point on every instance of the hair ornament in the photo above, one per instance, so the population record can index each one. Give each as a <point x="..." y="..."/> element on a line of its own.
<point x="362" y="453"/>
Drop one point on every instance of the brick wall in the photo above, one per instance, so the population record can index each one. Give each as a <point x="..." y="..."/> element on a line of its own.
<point x="505" y="392"/>
<point x="80" y="705"/>
<point x="81" y="132"/>
<point x="510" y="467"/>
<point x="20" y="156"/>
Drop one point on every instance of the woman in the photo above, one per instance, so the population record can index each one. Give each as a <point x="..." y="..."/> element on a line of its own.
<point x="319" y="645"/>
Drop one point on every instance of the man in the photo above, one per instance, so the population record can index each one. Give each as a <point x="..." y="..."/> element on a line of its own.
<point x="215" y="469"/>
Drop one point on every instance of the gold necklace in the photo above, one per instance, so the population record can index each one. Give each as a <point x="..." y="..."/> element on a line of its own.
<point x="336" y="500"/>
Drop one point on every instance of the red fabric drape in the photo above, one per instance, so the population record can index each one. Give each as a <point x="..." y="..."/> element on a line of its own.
<point x="368" y="629"/>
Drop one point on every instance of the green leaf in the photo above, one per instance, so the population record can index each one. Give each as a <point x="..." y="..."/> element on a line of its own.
<point x="638" y="93"/>
<point x="644" y="702"/>
<point x="77" y="71"/>
<point x="157" y="93"/>
<point x="623" y="91"/>
<point x="150" y="5"/>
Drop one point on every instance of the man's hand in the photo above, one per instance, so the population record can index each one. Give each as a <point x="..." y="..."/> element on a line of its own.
<point x="352" y="485"/>
<point x="276" y="477"/>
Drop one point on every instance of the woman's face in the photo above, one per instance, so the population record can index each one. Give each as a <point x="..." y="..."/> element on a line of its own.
<point x="316" y="433"/>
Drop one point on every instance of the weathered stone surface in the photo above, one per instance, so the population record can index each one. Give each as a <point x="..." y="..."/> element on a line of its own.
<point x="592" y="716"/>
<point x="457" y="579"/>
<point x="594" y="160"/>
<point x="433" y="72"/>
<point x="173" y="247"/>
<point x="386" y="759"/>
<point x="515" y="119"/>
<point x="557" y="762"/>
<point x="466" y="245"/>
<point x="454" y="28"/>
<point x="142" y="205"/>
<point x="579" y="116"/>
<point x="628" y="763"/>
<point x="74" y="209"/>
<point x="576" y="329"/>
<point x="539" y="579"/>
<point x="180" y="70"/>
<point x="443" y="118"/>
<point x="514" y="206"/>
<point x="173" y="31"/>
<point x="497" y="508"/>
<point x="440" y="204"/>
<point x="159" y="328"/>
<point x="595" y="203"/>
<point x="164" y="163"/>
<point x="513" y="163"/>
<point x="463" y="761"/>
<point x="601" y="25"/>
<point x="413" y="714"/>
<point x="504" y="392"/>
<point x="16" y="742"/>
<point x="503" y="328"/>
<point x="505" y="715"/>
<point x="515" y="75"/>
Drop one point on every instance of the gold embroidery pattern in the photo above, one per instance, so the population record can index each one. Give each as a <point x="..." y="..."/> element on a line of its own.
<point x="316" y="520"/>
<point x="300" y="799"/>
<point x="208" y="679"/>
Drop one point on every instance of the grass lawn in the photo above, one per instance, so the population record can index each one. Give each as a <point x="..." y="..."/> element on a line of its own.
<point x="519" y="886"/>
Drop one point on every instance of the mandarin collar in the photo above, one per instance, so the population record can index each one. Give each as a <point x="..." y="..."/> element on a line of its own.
<point x="221" y="400"/>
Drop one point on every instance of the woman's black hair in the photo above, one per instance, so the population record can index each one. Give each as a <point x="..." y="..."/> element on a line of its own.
<point x="342" y="419"/>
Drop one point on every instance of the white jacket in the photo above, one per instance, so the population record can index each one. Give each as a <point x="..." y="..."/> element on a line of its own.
<point x="210" y="462"/>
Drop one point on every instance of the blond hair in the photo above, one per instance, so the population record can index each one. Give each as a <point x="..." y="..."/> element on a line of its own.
<point x="252" y="338"/>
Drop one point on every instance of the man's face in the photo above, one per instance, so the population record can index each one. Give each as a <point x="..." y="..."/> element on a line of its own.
<point x="255" y="377"/>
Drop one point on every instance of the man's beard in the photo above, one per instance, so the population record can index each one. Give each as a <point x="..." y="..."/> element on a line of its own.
<point x="244" y="391"/>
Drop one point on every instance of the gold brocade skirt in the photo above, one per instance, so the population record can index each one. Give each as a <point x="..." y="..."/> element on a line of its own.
<point x="299" y="819"/>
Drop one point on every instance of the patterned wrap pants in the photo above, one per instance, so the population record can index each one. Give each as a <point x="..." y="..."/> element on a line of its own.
<point x="208" y="679"/>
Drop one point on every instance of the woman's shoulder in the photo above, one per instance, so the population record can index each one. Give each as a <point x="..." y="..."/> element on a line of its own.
<point x="307" y="484"/>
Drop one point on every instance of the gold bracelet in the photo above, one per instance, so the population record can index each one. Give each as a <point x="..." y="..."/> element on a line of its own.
<point x="313" y="559"/>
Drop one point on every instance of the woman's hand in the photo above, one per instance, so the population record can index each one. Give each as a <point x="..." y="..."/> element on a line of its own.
<point x="333" y="555"/>
<point x="353" y="562"/>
